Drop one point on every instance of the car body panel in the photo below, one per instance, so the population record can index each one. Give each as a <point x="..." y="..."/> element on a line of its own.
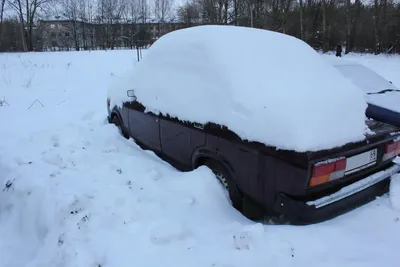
<point x="387" y="100"/>
<point x="143" y="126"/>
<point x="178" y="141"/>
<point x="262" y="173"/>
<point x="146" y="128"/>
<point x="382" y="114"/>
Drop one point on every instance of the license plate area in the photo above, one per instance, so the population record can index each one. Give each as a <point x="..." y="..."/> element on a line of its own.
<point x="361" y="161"/>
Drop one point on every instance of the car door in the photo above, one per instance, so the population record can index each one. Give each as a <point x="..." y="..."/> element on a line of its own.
<point x="178" y="140"/>
<point x="144" y="127"/>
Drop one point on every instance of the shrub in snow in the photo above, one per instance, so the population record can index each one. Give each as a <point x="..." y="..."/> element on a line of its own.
<point x="279" y="91"/>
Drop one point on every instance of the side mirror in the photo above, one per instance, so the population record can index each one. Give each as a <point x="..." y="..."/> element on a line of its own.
<point x="130" y="93"/>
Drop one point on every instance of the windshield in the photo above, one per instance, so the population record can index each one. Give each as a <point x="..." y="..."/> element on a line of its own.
<point x="368" y="80"/>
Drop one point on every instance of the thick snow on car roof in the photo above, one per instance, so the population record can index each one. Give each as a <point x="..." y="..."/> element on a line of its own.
<point x="265" y="86"/>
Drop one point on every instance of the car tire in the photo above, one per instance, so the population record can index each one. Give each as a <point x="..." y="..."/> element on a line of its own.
<point x="224" y="177"/>
<point x="241" y="202"/>
<point x="117" y="122"/>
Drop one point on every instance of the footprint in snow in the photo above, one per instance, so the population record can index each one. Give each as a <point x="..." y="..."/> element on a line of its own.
<point x="54" y="159"/>
<point x="250" y="236"/>
<point x="242" y="241"/>
<point x="22" y="161"/>
<point x="165" y="233"/>
<point x="89" y="115"/>
<point x="111" y="148"/>
<point x="54" y="174"/>
<point x="55" y="140"/>
<point x="76" y="206"/>
<point x="155" y="174"/>
<point x="83" y="222"/>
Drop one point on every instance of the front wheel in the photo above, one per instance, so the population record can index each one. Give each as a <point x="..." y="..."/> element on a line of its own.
<point x="117" y="122"/>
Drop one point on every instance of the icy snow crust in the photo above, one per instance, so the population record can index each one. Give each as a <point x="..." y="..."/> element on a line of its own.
<point x="74" y="193"/>
<point x="278" y="91"/>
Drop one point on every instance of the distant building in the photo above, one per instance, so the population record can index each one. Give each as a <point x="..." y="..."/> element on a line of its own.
<point x="72" y="34"/>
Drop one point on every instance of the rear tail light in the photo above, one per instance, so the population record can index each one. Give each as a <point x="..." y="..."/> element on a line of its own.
<point x="333" y="169"/>
<point x="391" y="150"/>
<point x="328" y="171"/>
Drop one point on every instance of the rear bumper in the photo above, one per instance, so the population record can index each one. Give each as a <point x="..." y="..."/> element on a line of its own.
<point x="340" y="202"/>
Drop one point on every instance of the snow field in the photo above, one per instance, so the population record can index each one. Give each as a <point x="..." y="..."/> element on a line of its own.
<point x="73" y="192"/>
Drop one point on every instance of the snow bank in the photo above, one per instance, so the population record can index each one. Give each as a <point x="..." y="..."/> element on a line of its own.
<point x="394" y="192"/>
<point x="73" y="192"/>
<point x="279" y="92"/>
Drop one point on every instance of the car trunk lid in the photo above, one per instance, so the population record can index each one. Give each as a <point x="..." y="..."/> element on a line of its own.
<point x="339" y="165"/>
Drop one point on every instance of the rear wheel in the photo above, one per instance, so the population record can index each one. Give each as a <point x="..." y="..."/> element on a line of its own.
<point x="240" y="201"/>
<point x="226" y="180"/>
<point x="117" y="122"/>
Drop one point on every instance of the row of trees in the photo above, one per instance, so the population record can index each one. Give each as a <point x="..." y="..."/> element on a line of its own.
<point x="359" y="25"/>
<point x="368" y="25"/>
<point x="26" y="14"/>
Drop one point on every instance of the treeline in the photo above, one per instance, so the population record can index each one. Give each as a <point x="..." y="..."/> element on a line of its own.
<point x="358" y="26"/>
<point x="89" y="21"/>
<point x="372" y="26"/>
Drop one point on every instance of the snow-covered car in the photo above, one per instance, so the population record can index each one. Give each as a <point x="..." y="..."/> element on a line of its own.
<point x="280" y="127"/>
<point x="383" y="96"/>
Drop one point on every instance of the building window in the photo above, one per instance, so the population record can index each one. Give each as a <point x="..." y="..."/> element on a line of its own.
<point x="67" y="34"/>
<point x="53" y="35"/>
<point x="52" y="26"/>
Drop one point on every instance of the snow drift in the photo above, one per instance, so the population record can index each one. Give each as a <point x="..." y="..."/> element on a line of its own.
<point x="73" y="192"/>
<point x="279" y="91"/>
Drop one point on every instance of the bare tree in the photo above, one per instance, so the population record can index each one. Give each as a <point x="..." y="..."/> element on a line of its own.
<point x="27" y="12"/>
<point x="85" y="16"/>
<point x="89" y="17"/>
<point x="110" y="12"/>
<point x="301" y="11"/>
<point x="162" y="10"/>
<point x="2" y="6"/>
<point x="189" y="14"/>
<point x="131" y="15"/>
<point x="377" y="15"/>
<point x="70" y="11"/>
<point x="132" y="11"/>
<point x="143" y="10"/>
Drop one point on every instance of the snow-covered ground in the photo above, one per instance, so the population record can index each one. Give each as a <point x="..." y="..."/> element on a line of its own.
<point x="75" y="193"/>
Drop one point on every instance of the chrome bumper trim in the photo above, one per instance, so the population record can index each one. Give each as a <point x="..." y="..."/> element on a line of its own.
<point x="355" y="187"/>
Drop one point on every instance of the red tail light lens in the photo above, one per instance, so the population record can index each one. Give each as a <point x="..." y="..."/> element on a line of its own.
<point x="391" y="150"/>
<point x="325" y="172"/>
